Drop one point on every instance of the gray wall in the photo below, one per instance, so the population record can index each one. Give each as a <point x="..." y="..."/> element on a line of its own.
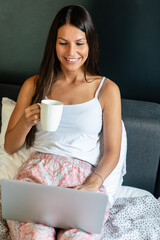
<point x="129" y="37"/>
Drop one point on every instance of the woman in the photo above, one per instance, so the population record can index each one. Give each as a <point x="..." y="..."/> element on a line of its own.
<point x="69" y="73"/>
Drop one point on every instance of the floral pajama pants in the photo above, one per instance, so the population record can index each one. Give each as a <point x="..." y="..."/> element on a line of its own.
<point x="52" y="170"/>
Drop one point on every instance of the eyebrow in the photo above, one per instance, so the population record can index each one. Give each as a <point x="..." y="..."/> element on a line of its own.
<point x="81" y="39"/>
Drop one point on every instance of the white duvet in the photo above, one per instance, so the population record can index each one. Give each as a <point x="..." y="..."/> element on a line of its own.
<point x="9" y="164"/>
<point x="134" y="218"/>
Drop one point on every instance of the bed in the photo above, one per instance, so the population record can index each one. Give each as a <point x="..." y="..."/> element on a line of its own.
<point x="136" y="213"/>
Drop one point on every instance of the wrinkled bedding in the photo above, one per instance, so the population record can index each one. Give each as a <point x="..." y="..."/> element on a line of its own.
<point x="134" y="218"/>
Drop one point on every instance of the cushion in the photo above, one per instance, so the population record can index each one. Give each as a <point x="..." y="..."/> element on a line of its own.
<point x="7" y="109"/>
<point x="9" y="164"/>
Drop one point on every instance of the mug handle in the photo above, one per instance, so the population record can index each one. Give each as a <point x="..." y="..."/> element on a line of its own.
<point x="39" y="105"/>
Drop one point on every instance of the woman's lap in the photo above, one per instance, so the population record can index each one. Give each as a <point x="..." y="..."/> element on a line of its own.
<point x="30" y="231"/>
<point x="57" y="171"/>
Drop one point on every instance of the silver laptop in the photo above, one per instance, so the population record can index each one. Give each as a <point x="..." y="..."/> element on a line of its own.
<point x="54" y="206"/>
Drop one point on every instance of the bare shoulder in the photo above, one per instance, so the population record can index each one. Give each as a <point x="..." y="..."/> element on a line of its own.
<point x="24" y="100"/>
<point x="28" y="88"/>
<point x="30" y="84"/>
<point x="111" y="93"/>
<point x="111" y="87"/>
<point x="27" y="91"/>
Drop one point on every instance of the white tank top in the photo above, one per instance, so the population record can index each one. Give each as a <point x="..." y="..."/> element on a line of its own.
<point x="78" y="134"/>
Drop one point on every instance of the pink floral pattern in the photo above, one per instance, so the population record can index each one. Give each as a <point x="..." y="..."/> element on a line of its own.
<point x="53" y="170"/>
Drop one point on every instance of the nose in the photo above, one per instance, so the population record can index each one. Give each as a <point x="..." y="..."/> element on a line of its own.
<point x="71" y="50"/>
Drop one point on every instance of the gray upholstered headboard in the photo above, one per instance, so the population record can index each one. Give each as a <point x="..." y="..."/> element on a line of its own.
<point x="142" y="122"/>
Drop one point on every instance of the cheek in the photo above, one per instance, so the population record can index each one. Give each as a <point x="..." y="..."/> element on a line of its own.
<point x="85" y="52"/>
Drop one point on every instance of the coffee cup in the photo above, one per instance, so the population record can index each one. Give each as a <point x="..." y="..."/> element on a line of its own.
<point x="50" y="114"/>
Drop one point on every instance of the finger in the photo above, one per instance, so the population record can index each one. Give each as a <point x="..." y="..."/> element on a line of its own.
<point x="35" y="112"/>
<point x="29" y="116"/>
<point x="31" y="120"/>
<point x="29" y="113"/>
<point x="35" y="118"/>
<point x="80" y="188"/>
<point x="32" y="108"/>
<point x="77" y="187"/>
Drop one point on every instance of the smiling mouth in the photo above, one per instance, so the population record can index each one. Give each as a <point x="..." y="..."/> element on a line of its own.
<point x="71" y="60"/>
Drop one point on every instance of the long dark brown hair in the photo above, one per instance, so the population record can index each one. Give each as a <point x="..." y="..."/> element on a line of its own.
<point x="50" y="66"/>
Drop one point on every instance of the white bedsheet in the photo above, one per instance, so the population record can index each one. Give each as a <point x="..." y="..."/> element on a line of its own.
<point x="127" y="192"/>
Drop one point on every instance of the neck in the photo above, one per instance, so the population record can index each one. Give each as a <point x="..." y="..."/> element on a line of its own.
<point x="72" y="76"/>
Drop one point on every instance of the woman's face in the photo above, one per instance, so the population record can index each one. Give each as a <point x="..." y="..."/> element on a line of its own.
<point x="71" y="47"/>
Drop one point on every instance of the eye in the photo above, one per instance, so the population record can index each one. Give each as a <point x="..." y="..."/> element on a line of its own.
<point x="63" y="43"/>
<point x="80" y="44"/>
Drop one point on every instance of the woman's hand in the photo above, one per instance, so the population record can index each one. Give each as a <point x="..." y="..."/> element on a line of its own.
<point x="92" y="184"/>
<point x="32" y="115"/>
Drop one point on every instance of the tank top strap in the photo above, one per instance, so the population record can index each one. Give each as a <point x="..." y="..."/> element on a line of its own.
<point x="101" y="87"/>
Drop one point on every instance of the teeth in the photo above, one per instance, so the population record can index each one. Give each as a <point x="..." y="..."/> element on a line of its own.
<point x="72" y="60"/>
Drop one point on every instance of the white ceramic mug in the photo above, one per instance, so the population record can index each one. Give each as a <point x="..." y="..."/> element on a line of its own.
<point x="50" y="115"/>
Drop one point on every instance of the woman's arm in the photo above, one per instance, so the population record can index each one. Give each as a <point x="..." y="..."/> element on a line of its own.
<point x="112" y="132"/>
<point x="23" y="117"/>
